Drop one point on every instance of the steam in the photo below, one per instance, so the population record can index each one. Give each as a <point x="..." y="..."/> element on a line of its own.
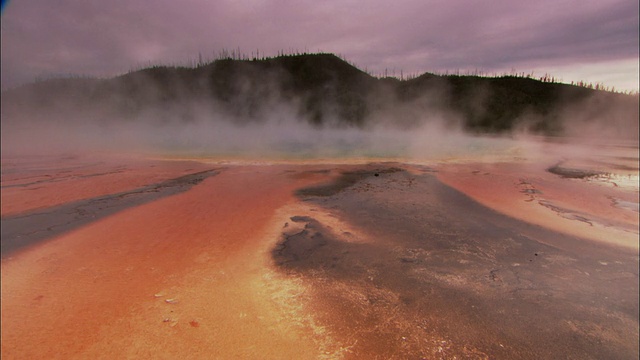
<point x="423" y="128"/>
<point x="281" y="137"/>
<point x="279" y="134"/>
<point x="599" y="119"/>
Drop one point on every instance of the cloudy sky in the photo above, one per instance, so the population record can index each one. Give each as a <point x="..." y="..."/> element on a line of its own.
<point x="590" y="40"/>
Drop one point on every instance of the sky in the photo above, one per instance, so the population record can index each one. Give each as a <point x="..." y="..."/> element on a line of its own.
<point x="574" y="40"/>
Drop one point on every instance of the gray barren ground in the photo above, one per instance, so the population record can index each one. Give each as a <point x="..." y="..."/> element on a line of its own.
<point x="441" y="276"/>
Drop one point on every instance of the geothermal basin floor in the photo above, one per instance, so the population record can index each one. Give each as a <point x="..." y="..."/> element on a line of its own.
<point x="140" y="258"/>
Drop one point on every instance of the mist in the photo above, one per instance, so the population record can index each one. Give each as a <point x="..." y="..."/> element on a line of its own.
<point x="313" y="107"/>
<point x="278" y="135"/>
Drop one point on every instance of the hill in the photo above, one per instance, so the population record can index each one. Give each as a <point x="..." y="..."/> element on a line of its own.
<point x="323" y="90"/>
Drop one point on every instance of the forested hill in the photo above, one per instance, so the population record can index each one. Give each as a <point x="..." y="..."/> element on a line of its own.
<point x="321" y="89"/>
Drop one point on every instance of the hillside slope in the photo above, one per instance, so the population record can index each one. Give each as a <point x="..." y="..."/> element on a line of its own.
<point x="323" y="90"/>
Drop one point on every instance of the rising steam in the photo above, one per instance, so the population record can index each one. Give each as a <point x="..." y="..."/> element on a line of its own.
<point x="258" y="119"/>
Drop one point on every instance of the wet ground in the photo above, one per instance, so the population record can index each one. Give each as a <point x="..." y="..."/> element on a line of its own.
<point x="440" y="276"/>
<point x="181" y="259"/>
<point x="22" y="230"/>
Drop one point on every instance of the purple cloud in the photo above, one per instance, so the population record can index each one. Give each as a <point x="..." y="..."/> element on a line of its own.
<point x="41" y="38"/>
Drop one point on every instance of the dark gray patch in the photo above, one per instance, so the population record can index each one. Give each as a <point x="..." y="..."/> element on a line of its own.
<point x="20" y="231"/>
<point x="570" y="173"/>
<point x="441" y="266"/>
<point x="344" y="181"/>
